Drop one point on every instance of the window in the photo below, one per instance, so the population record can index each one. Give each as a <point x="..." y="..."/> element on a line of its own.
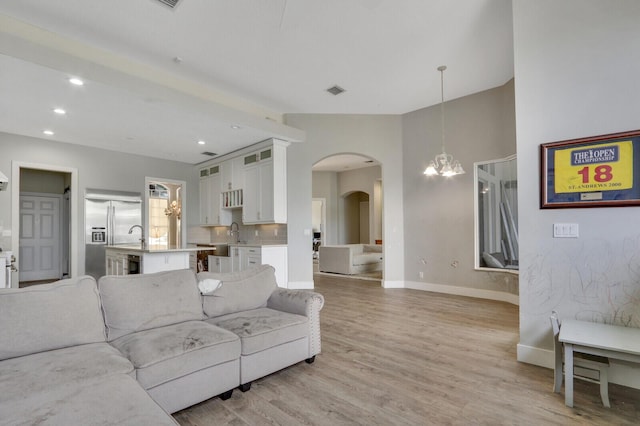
<point x="496" y="196"/>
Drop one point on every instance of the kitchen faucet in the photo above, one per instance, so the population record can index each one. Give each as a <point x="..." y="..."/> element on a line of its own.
<point x="237" y="231"/>
<point x="142" y="241"/>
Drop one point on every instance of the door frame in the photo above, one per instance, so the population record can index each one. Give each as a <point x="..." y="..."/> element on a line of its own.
<point x="15" y="212"/>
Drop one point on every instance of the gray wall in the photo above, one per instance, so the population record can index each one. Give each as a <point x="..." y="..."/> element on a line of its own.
<point x="577" y="64"/>
<point x="43" y="181"/>
<point x="439" y="212"/>
<point x="96" y="169"/>
<point x="379" y="137"/>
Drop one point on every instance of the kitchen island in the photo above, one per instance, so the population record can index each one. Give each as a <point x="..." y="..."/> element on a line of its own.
<point x="133" y="259"/>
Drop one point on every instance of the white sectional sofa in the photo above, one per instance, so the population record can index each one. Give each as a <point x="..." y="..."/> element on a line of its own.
<point x="128" y="350"/>
<point x="350" y="259"/>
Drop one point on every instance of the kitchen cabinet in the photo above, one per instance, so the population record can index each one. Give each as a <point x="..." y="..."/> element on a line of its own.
<point x="250" y="257"/>
<point x="193" y="260"/>
<point x="244" y="257"/>
<point x="164" y="261"/>
<point x="211" y="208"/>
<point x="219" y="264"/>
<point x="235" y="259"/>
<point x="265" y="185"/>
<point x="116" y="263"/>
<point x="232" y="174"/>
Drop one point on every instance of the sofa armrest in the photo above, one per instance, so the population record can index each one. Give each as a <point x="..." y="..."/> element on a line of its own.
<point x="335" y="259"/>
<point x="301" y="302"/>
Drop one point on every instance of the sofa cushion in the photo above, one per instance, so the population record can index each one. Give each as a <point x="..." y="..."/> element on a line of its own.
<point x="50" y="316"/>
<point x="240" y="291"/>
<point x="134" y="303"/>
<point x="43" y="371"/>
<point x="263" y="328"/>
<point x="112" y="400"/>
<point x="166" y="353"/>
<point x="367" y="258"/>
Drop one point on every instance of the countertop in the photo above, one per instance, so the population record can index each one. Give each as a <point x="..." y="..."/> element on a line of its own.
<point x="153" y="248"/>
<point x="190" y="247"/>
<point x="203" y="246"/>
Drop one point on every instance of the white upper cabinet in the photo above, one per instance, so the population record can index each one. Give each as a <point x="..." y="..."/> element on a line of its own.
<point x="265" y="185"/>
<point x="255" y="180"/>
<point x="233" y="174"/>
<point x="211" y="211"/>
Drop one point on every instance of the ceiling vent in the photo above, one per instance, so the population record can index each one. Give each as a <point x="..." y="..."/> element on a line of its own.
<point x="170" y="3"/>
<point x="335" y="90"/>
<point x="210" y="154"/>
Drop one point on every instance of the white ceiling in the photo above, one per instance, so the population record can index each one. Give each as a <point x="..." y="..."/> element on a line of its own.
<point x="241" y="61"/>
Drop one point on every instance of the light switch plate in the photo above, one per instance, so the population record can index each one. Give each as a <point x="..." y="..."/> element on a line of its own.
<point x="565" y="230"/>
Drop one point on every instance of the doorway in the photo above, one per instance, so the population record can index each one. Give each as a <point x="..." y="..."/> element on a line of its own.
<point x="318" y="220"/>
<point x="43" y="223"/>
<point x="348" y="189"/>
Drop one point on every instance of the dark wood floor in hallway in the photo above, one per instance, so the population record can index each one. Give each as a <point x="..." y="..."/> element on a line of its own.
<point x="407" y="357"/>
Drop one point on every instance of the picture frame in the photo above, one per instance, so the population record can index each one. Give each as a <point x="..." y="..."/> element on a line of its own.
<point x="596" y="171"/>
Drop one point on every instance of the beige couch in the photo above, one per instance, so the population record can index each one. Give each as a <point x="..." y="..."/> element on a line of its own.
<point x="350" y="258"/>
<point x="134" y="348"/>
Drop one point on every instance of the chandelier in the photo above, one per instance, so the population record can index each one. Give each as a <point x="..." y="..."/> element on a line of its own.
<point x="443" y="164"/>
<point x="174" y="209"/>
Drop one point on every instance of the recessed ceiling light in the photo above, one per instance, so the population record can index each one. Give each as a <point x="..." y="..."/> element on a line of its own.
<point x="60" y="111"/>
<point x="76" y="81"/>
<point x="235" y="127"/>
<point x="48" y="132"/>
<point x="201" y="142"/>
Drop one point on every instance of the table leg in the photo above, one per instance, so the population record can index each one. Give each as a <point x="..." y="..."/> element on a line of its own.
<point x="568" y="374"/>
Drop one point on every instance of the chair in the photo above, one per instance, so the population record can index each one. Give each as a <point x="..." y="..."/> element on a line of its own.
<point x="590" y="368"/>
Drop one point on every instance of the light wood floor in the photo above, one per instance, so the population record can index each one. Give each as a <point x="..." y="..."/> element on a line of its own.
<point x="407" y="357"/>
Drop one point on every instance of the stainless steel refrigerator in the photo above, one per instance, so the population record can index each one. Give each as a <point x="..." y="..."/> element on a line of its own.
<point x="108" y="217"/>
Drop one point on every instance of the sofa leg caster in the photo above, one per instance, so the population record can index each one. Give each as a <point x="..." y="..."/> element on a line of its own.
<point x="245" y="387"/>
<point x="310" y="360"/>
<point x="226" y="395"/>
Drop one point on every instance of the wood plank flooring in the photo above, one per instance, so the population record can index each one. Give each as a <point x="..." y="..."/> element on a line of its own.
<point x="407" y="357"/>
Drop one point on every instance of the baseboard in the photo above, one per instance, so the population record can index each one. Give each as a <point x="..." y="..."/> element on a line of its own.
<point x="536" y="356"/>
<point x="392" y="284"/>
<point x="464" y="291"/>
<point x="300" y="285"/>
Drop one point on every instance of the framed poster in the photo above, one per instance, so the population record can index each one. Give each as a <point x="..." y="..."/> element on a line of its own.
<point x="598" y="171"/>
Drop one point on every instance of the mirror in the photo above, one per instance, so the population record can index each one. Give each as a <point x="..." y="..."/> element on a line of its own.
<point x="496" y="211"/>
<point x="165" y="200"/>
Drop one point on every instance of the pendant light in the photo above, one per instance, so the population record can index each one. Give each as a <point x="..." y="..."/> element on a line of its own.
<point x="444" y="162"/>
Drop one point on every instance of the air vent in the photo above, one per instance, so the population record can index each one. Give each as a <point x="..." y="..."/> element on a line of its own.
<point x="335" y="90"/>
<point x="210" y="154"/>
<point x="171" y="3"/>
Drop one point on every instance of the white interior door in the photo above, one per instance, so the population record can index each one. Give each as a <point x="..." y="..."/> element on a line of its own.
<point x="39" y="237"/>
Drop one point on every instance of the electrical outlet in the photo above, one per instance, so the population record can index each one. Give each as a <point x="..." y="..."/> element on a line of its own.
<point x="257" y="233"/>
<point x="275" y="232"/>
<point x="421" y="274"/>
